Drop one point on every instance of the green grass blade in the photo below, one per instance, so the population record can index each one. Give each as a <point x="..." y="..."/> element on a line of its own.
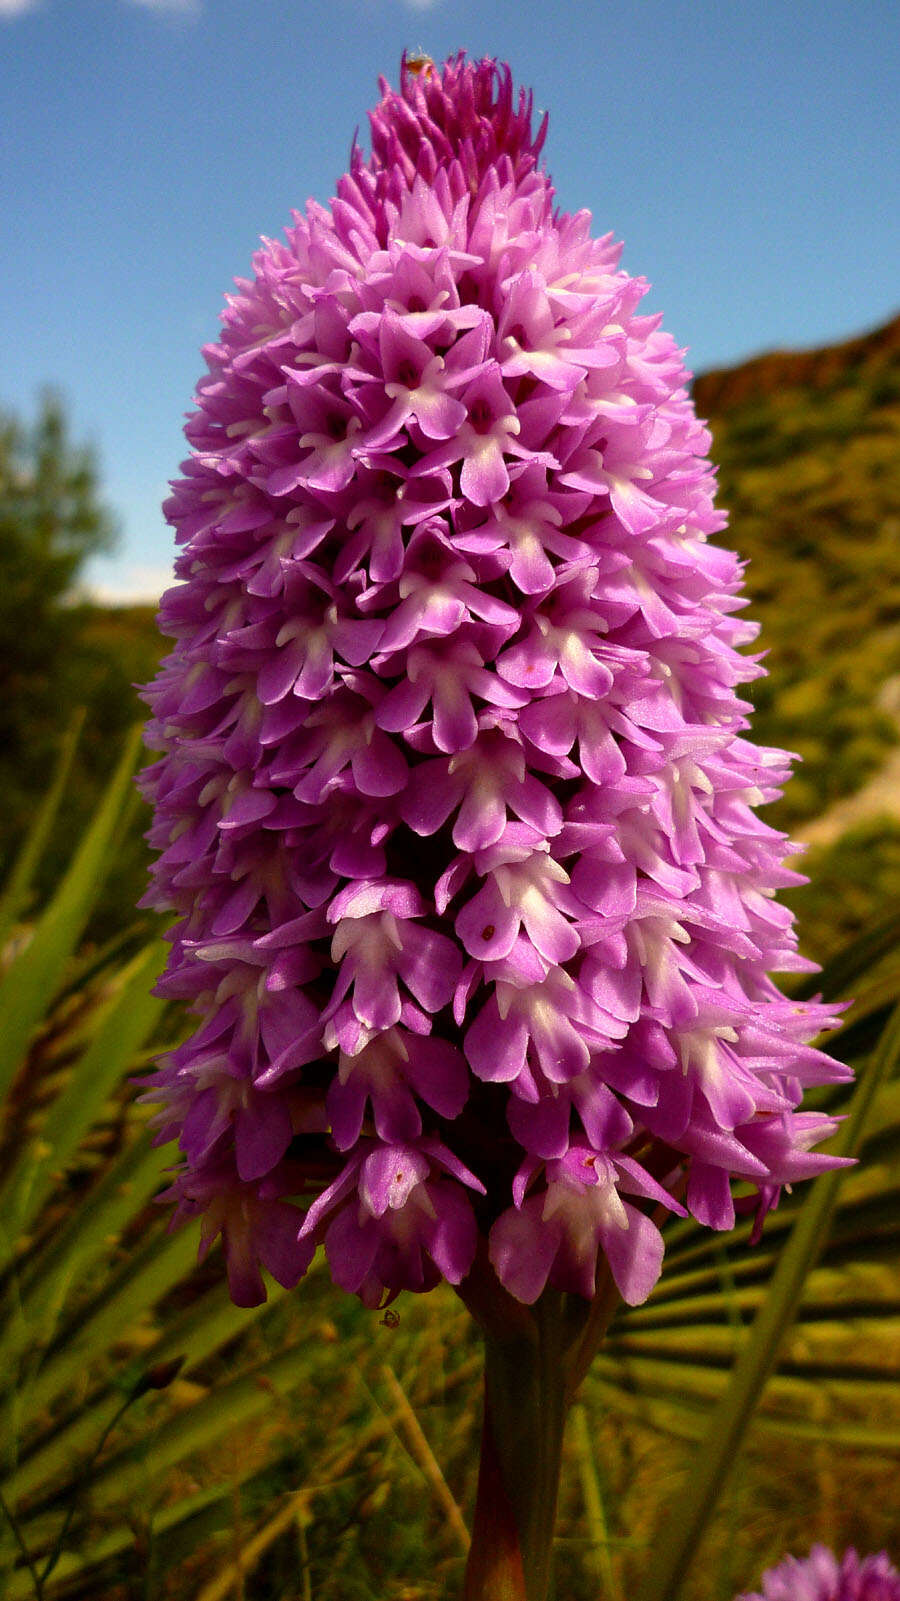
<point x="43" y="1285"/>
<point x="204" y="1512"/>
<point x="208" y="1323"/>
<point x="17" y="889"/>
<point x="193" y="1337"/>
<point x="133" y="1474"/>
<point x="118" y="1033"/>
<point x="689" y="1420"/>
<point x="853" y="962"/>
<point x="259" y="1391"/>
<point x="704" y="1376"/>
<point x="181" y="1524"/>
<point x="226" y="1409"/>
<point x="164" y="1260"/>
<point x="592" y="1497"/>
<point x="34" y="976"/>
<point x="705" y="1313"/>
<point x="678" y="1538"/>
<point x="108" y="1546"/>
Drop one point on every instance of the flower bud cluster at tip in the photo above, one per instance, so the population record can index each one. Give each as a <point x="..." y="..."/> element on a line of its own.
<point x="455" y="805"/>
<point x="821" y="1577"/>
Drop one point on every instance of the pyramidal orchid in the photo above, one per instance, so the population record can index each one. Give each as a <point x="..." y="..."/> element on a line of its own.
<point x="822" y="1577"/>
<point x="456" y="807"/>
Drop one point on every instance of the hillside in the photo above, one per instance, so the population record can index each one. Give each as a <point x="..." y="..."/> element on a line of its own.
<point x="724" y="389"/>
<point x="808" y="446"/>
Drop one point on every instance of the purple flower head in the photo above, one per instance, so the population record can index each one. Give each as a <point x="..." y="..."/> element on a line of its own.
<point x="821" y="1577"/>
<point x="455" y="805"/>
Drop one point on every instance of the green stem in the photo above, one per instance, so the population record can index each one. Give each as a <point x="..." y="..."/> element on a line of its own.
<point x="56" y="1553"/>
<point x="20" y="1542"/>
<point x="525" y="1405"/>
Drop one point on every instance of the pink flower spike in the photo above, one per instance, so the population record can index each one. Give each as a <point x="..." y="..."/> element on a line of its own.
<point x="822" y="1576"/>
<point x="455" y="805"/>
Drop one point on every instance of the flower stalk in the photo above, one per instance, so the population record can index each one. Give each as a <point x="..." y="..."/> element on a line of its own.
<point x="525" y="1406"/>
<point x="534" y="1361"/>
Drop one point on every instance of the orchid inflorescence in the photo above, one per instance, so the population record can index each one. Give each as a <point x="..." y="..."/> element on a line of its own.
<point x="822" y="1577"/>
<point x="456" y="807"/>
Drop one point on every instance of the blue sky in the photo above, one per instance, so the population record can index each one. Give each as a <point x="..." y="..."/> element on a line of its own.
<point x="748" y="156"/>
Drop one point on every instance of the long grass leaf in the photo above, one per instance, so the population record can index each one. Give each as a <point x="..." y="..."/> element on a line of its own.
<point x="197" y="1428"/>
<point x="43" y="1284"/>
<point x="117" y="1034"/>
<point x="593" y="1503"/>
<point x="162" y="1263"/>
<point x="202" y="1512"/>
<point x="425" y="1458"/>
<point x="193" y="1339"/>
<point x="706" y="1379"/>
<point x="685" y="1419"/>
<point x="853" y="962"/>
<point x="35" y="974"/>
<point x="17" y="890"/>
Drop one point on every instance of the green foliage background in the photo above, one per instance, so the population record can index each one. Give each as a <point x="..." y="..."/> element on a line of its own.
<point x="808" y="449"/>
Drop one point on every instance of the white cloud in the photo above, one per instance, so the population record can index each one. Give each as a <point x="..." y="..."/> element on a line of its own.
<point x="189" y="9"/>
<point x="125" y="584"/>
<point x="169" y="8"/>
<point x="421" y="5"/>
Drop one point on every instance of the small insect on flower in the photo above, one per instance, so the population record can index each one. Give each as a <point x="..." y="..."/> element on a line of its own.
<point x="419" y="64"/>
<point x="391" y="1320"/>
